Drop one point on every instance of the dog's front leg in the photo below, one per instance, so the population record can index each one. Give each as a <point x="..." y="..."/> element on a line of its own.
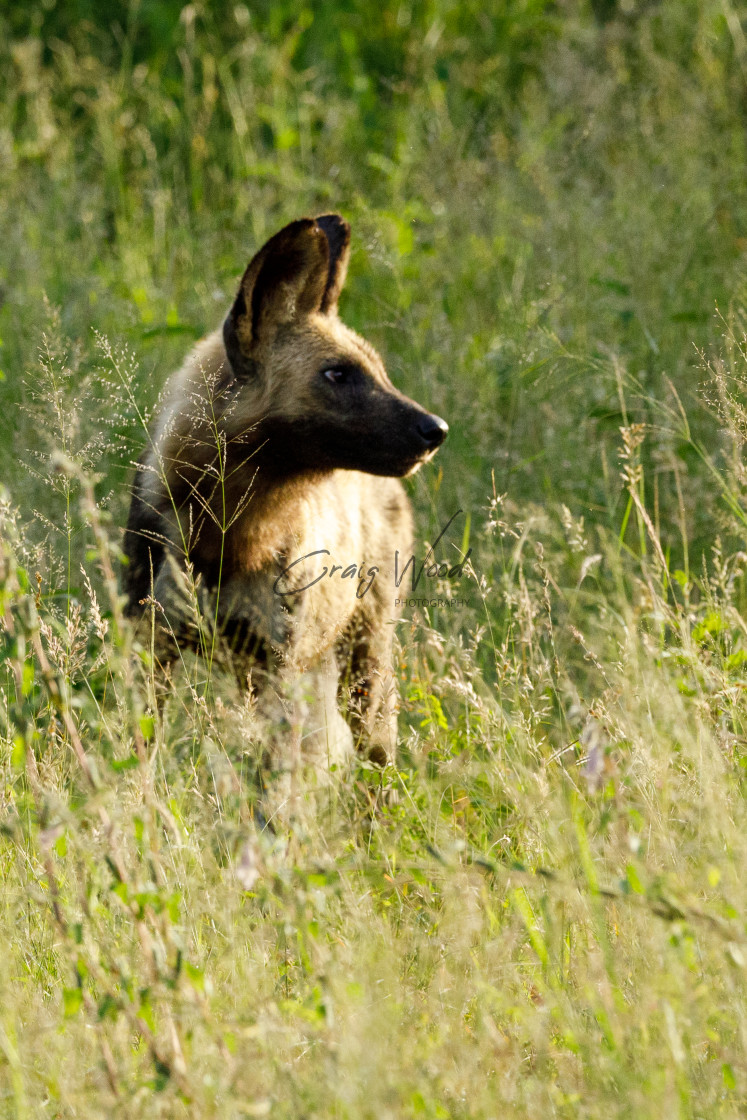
<point x="373" y="696"/>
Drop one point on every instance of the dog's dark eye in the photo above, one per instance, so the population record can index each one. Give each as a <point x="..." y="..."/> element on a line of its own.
<point x="336" y="376"/>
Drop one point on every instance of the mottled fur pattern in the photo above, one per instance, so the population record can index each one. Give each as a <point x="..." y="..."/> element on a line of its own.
<point x="281" y="436"/>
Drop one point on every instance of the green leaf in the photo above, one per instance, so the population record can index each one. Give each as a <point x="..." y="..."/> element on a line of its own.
<point x="524" y="907"/>
<point x="195" y="975"/>
<point x="129" y="763"/>
<point x="121" y="891"/>
<point x="72" y="1000"/>
<point x="147" y="727"/>
<point x="405" y="239"/>
<point x="285" y="139"/>
<point x="27" y="679"/>
<point x="465" y="535"/>
<point x="711" y="625"/>
<point x="145" y="1011"/>
<point x="633" y="879"/>
<point x="18" y="753"/>
<point x="172" y="906"/>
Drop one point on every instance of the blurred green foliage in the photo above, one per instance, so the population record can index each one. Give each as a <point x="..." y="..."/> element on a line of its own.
<point x="548" y="200"/>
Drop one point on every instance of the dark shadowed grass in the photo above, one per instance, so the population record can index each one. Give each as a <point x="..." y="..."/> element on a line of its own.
<point x="548" y="206"/>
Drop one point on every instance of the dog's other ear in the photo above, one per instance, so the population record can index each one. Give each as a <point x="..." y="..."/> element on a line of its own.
<point x="338" y="237"/>
<point x="287" y="279"/>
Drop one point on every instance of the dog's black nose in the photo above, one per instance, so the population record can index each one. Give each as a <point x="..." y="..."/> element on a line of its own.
<point x="433" y="431"/>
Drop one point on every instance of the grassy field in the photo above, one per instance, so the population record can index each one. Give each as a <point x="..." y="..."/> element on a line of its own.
<point x="549" y="212"/>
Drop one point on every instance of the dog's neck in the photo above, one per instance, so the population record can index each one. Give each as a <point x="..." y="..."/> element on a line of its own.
<point x="244" y="519"/>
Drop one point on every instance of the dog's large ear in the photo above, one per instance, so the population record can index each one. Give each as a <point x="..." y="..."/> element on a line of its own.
<point x="337" y="231"/>
<point x="288" y="278"/>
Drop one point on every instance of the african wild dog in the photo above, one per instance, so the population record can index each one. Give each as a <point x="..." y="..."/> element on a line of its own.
<point x="258" y="479"/>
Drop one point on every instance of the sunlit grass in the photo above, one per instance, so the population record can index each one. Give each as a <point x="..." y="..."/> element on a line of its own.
<point x="550" y="920"/>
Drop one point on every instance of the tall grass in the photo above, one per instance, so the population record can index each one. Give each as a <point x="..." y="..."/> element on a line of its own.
<point x="547" y="201"/>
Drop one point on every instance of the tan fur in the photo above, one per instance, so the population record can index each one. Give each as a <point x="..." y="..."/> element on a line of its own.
<point x="252" y="467"/>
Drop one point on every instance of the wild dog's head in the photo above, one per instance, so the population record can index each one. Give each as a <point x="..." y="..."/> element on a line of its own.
<point x="319" y="391"/>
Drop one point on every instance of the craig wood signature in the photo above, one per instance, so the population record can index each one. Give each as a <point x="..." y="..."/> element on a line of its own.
<point x="430" y="568"/>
